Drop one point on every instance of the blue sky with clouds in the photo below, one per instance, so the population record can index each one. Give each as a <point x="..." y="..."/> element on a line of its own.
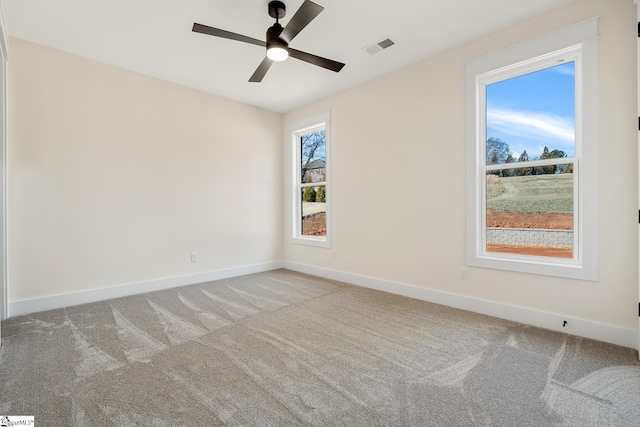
<point x="534" y="110"/>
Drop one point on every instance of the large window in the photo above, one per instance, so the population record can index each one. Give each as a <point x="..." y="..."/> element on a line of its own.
<point x="531" y="156"/>
<point x="310" y="153"/>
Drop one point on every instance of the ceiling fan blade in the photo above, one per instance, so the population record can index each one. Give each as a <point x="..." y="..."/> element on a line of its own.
<point x="204" y="29"/>
<point x="316" y="60"/>
<point x="262" y="69"/>
<point x="307" y="13"/>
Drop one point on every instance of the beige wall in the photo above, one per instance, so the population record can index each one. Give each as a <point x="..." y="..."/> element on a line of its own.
<point x="408" y="225"/>
<point x="116" y="178"/>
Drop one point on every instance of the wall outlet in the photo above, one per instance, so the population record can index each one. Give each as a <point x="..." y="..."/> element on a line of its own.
<point x="464" y="274"/>
<point x="332" y="255"/>
<point x="194" y="257"/>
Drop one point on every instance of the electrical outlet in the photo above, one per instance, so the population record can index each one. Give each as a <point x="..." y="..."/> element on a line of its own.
<point x="333" y="255"/>
<point x="464" y="274"/>
<point x="194" y="257"/>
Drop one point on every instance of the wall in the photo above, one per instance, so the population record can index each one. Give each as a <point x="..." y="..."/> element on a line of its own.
<point x="115" y="178"/>
<point x="407" y="226"/>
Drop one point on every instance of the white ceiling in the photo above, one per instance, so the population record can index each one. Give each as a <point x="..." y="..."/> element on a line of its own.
<point x="154" y="37"/>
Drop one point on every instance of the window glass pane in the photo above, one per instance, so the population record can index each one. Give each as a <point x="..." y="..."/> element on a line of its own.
<point x="314" y="211"/>
<point x="532" y="116"/>
<point x="530" y="214"/>
<point x="313" y="157"/>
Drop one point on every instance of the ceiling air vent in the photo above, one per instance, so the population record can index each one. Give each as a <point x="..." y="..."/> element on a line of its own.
<point x="379" y="46"/>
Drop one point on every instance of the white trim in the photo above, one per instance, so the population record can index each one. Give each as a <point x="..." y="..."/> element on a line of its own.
<point x="563" y="38"/>
<point x="577" y="43"/>
<point x="579" y="327"/>
<point x="296" y="129"/>
<point x="35" y="305"/>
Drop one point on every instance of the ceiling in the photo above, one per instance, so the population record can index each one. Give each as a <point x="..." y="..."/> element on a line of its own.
<point x="154" y="37"/>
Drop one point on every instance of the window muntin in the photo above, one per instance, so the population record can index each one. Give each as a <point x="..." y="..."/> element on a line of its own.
<point x="576" y="44"/>
<point x="310" y="224"/>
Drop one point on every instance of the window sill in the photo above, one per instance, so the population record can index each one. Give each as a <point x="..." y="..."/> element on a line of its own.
<point x="535" y="265"/>
<point x="311" y="241"/>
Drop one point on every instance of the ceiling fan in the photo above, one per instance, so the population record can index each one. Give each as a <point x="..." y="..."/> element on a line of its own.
<point x="278" y="38"/>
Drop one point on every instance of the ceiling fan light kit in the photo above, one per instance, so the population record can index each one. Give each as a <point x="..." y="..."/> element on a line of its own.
<point x="277" y="53"/>
<point x="278" y="38"/>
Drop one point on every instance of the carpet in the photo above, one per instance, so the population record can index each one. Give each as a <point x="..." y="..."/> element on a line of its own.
<point x="286" y="349"/>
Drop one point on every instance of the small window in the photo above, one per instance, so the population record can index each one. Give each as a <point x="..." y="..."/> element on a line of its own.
<point x="310" y="152"/>
<point x="531" y="157"/>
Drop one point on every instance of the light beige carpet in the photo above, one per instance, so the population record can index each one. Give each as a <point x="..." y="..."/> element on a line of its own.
<point x="287" y="349"/>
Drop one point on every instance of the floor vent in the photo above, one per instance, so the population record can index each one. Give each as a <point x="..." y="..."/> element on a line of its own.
<point x="379" y="46"/>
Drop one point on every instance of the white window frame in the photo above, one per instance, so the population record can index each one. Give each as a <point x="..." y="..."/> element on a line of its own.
<point x="576" y="43"/>
<point x="297" y="130"/>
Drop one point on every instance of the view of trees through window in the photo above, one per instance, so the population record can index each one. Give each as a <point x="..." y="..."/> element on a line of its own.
<point x="530" y="159"/>
<point x="313" y="177"/>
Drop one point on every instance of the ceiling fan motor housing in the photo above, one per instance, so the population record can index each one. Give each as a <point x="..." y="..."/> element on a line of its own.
<point x="273" y="37"/>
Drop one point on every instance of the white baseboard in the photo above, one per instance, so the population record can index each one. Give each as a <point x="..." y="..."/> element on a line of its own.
<point x="18" y="308"/>
<point x="579" y="327"/>
<point x="583" y="328"/>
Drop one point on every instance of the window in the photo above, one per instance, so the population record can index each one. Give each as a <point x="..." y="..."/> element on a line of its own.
<point x="531" y="156"/>
<point x="310" y="193"/>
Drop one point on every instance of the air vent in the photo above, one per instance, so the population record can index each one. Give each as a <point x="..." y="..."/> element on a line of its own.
<point x="379" y="46"/>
